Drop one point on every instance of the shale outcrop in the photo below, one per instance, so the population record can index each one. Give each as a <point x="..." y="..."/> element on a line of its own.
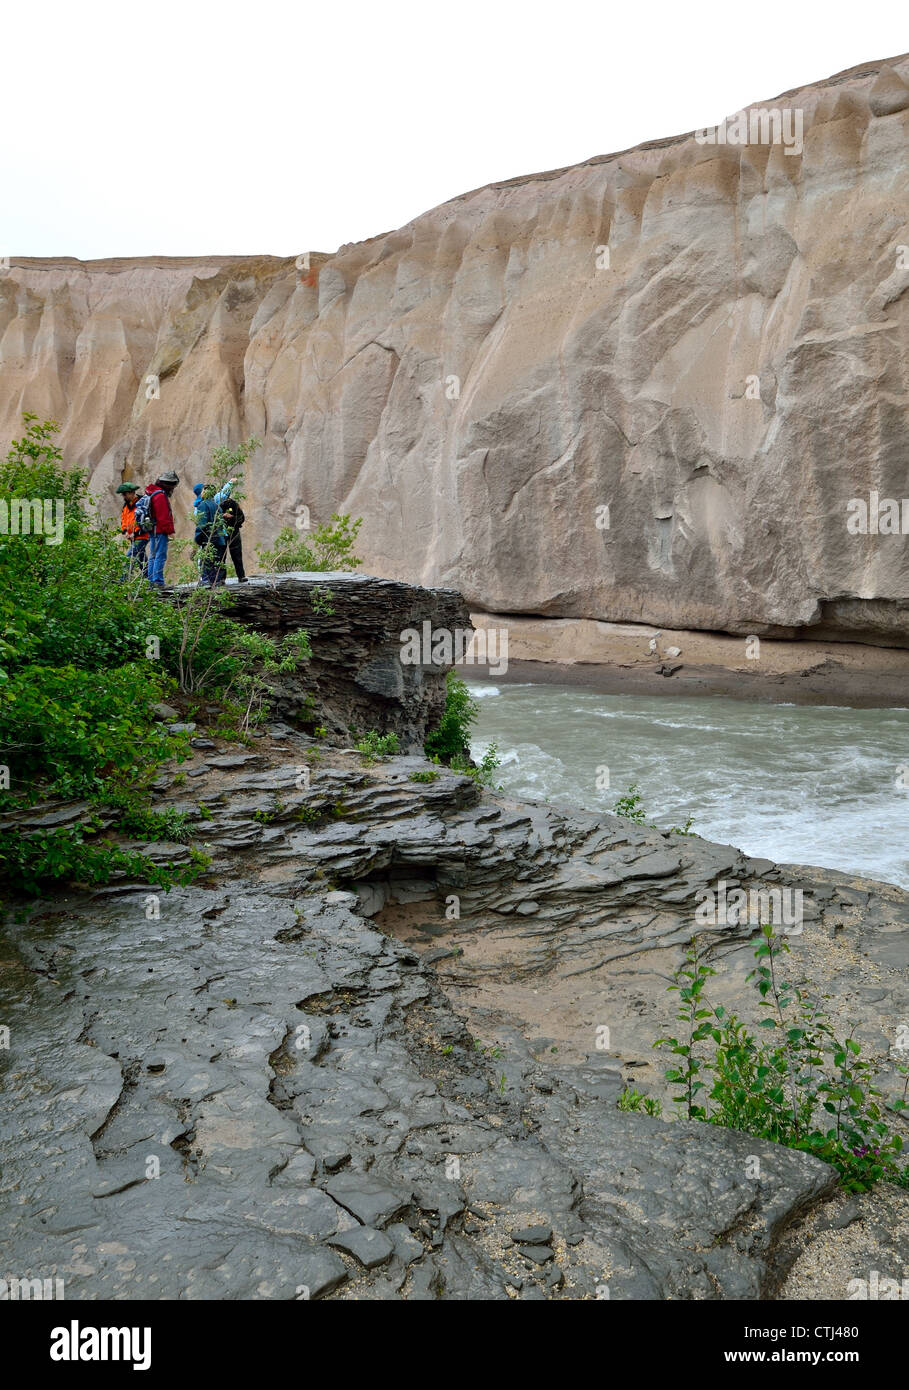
<point x="305" y="1077"/>
<point x="364" y="633"/>
<point x="642" y="389"/>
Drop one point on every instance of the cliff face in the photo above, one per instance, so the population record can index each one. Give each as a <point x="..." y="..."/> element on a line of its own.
<point x="478" y="384"/>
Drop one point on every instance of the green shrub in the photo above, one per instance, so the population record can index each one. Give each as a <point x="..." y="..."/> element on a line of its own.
<point x="141" y="823"/>
<point x="227" y="462"/>
<point x="374" y="746"/>
<point x="631" y="806"/>
<point x="85" y="651"/>
<point x="230" y="663"/>
<point x="482" y="772"/>
<point x="634" y="1100"/>
<point x="800" y="1084"/>
<point x="322" y="601"/>
<point x="74" y="733"/>
<point x="327" y="547"/>
<point x="33" y="861"/>
<point x="450" y="742"/>
<point x="452" y="738"/>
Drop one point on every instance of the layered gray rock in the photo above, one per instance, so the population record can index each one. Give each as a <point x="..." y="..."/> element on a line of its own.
<point x="358" y="677"/>
<point x="264" y="1091"/>
<point x="255" y="1089"/>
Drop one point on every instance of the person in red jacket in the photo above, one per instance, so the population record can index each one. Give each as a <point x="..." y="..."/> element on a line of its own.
<point x="162" y="525"/>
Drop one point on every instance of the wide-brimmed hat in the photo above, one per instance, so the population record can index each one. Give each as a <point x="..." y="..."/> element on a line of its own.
<point x="168" y="477"/>
<point x="129" y="487"/>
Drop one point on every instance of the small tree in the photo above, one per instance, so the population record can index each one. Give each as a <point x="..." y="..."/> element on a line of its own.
<point x="230" y="463"/>
<point x="450" y="742"/>
<point x="328" y="547"/>
<point x="796" y="1081"/>
<point x="452" y="737"/>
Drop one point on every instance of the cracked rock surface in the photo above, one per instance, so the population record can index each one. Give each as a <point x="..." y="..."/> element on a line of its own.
<point x="258" y="1087"/>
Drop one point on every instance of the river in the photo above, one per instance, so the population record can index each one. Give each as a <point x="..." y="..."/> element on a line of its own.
<point x="798" y="784"/>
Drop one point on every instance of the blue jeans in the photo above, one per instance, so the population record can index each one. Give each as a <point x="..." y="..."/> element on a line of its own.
<point x="157" y="558"/>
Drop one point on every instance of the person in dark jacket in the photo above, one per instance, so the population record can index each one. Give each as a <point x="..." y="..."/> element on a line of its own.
<point x="211" y="532"/>
<point x="137" y="538"/>
<point x="163" y="525"/>
<point x="234" y="518"/>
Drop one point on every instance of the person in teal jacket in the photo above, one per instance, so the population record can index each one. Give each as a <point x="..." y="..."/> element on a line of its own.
<point x="211" y="532"/>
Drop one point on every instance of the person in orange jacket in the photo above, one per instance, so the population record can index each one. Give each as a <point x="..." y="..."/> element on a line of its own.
<point x="138" y="540"/>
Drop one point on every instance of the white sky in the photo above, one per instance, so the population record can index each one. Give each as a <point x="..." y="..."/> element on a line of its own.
<point x="195" y="127"/>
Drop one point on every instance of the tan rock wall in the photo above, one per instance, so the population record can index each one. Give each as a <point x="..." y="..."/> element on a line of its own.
<point x="476" y="387"/>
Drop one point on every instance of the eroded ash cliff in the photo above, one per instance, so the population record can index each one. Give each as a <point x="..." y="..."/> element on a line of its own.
<point x="708" y="339"/>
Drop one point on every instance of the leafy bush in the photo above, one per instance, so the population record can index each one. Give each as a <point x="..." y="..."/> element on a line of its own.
<point x="322" y="600"/>
<point x="328" y="547"/>
<point x="450" y="742"/>
<point x="141" y="823"/>
<point x="86" y="651"/>
<point x="75" y="733"/>
<point x="631" y="806"/>
<point x="227" y="462"/>
<point x="32" y="861"/>
<point x="452" y="738"/>
<point x="800" y="1085"/>
<point x="482" y="772"/>
<point x="213" y="655"/>
<point x="374" y="746"/>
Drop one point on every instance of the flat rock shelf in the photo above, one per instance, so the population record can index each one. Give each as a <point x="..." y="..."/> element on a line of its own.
<point x="274" y="1084"/>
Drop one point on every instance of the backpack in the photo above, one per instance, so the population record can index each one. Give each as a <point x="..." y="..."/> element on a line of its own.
<point x="144" y="519"/>
<point x="235" y="517"/>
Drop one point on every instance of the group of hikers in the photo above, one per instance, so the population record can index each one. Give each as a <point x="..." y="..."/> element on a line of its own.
<point x="147" y="521"/>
